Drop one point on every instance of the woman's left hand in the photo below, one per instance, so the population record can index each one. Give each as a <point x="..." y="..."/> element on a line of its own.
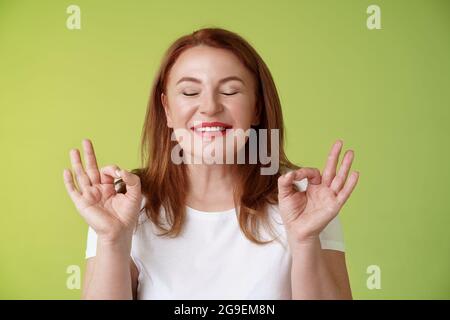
<point x="306" y="213"/>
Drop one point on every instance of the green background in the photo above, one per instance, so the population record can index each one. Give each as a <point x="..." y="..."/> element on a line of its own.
<point x="384" y="92"/>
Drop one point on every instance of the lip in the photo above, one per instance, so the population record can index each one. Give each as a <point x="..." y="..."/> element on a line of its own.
<point x="212" y="124"/>
<point x="211" y="133"/>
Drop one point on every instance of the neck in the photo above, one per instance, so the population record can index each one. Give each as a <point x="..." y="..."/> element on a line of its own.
<point x="210" y="186"/>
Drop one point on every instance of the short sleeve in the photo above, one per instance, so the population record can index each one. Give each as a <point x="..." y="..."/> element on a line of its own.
<point x="332" y="236"/>
<point x="91" y="246"/>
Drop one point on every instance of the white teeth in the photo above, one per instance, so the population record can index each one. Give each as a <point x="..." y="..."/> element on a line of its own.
<point x="202" y="129"/>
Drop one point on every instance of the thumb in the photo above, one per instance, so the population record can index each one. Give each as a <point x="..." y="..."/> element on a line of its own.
<point x="132" y="182"/>
<point x="285" y="184"/>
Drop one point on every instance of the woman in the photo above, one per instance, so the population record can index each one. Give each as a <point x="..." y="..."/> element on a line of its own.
<point x="196" y="230"/>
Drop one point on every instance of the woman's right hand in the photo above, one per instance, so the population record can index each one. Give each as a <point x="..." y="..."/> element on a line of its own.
<point x="112" y="215"/>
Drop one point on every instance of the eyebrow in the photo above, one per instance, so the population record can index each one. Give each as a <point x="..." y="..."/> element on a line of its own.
<point x="192" y="79"/>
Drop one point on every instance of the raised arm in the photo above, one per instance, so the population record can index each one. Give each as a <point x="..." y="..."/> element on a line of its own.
<point x="316" y="273"/>
<point x="113" y="217"/>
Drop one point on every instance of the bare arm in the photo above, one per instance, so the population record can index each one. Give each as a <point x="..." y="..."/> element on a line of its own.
<point x="111" y="274"/>
<point x="113" y="216"/>
<point x="319" y="274"/>
<point x="316" y="273"/>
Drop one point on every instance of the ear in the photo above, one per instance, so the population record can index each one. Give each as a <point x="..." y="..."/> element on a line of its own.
<point x="166" y="110"/>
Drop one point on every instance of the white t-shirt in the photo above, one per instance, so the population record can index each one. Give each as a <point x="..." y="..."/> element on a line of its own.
<point x="212" y="259"/>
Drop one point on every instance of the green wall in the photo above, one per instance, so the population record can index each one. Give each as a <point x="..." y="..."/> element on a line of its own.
<point x="385" y="92"/>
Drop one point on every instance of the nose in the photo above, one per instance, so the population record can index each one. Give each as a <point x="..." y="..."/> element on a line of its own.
<point x="210" y="105"/>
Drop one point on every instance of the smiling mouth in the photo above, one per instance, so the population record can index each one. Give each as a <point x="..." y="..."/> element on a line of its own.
<point x="211" y="129"/>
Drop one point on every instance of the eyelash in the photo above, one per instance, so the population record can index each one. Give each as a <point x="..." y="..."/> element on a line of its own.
<point x="193" y="94"/>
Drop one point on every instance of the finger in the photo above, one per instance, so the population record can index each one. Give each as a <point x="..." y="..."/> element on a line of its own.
<point x="80" y="175"/>
<point x="91" y="162"/>
<point x="313" y="175"/>
<point x="339" y="179"/>
<point x="108" y="174"/>
<point x="348" y="188"/>
<point x="70" y="186"/>
<point x="285" y="184"/>
<point x="133" y="184"/>
<point x="330" y="168"/>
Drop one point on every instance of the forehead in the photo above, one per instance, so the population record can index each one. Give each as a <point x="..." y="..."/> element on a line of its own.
<point x="208" y="63"/>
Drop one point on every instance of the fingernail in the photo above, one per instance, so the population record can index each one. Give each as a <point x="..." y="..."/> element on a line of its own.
<point x="118" y="173"/>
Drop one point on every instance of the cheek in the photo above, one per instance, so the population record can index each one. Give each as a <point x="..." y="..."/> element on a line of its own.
<point x="181" y="111"/>
<point x="242" y="110"/>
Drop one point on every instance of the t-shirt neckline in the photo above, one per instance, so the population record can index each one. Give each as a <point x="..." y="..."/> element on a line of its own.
<point x="193" y="211"/>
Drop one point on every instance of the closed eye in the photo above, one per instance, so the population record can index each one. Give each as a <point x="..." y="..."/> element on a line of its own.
<point x="196" y="93"/>
<point x="190" y="94"/>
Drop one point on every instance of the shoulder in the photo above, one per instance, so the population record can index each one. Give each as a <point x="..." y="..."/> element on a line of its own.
<point x="143" y="214"/>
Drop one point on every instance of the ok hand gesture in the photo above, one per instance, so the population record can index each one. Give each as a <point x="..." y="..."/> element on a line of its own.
<point x="112" y="215"/>
<point x="306" y="213"/>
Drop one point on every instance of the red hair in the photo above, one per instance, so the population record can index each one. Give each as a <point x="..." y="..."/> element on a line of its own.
<point x="164" y="183"/>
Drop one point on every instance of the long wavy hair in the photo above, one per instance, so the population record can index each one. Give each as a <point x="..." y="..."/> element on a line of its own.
<point x="164" y="184"/>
